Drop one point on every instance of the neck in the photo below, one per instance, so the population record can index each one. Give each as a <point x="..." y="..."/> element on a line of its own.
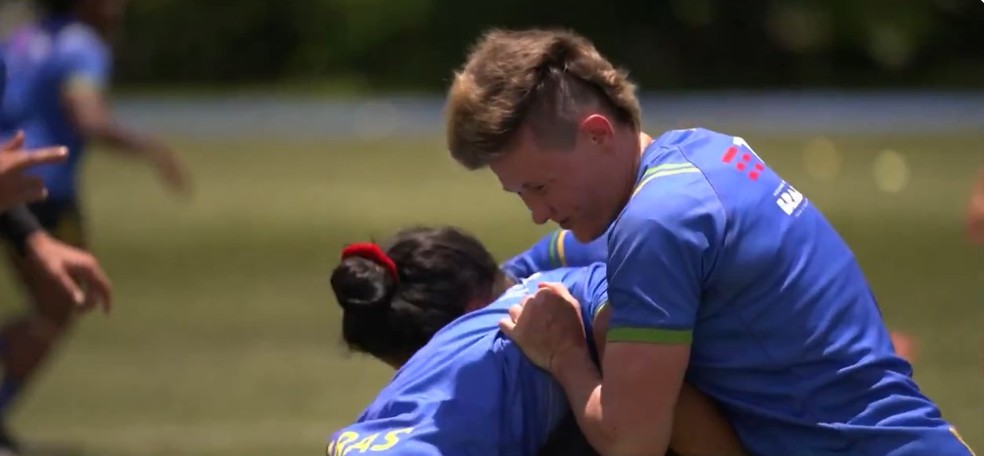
<point x="501" y="284"/>
<point x="634" y="149"/>
<point x="644" y="141"/>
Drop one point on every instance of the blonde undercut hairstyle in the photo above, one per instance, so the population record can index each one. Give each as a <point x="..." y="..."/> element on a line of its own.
<point x="543" y="79"/>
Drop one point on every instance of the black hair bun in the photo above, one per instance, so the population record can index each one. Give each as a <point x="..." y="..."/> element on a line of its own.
<point x="361" y="284"/>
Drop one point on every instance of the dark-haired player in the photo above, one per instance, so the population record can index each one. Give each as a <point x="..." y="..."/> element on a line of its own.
<point x="428" y="303"/>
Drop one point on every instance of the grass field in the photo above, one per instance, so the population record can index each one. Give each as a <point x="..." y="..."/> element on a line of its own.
<point x="224" y="339"/>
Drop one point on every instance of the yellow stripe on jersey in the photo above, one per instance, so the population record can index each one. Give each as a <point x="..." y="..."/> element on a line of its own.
<point x="559" y="243"/>
<point x="956" y="434"/>
<point x="669" y="169"/>
<point x="598" y="311"/>
<point x="552" y="250"/>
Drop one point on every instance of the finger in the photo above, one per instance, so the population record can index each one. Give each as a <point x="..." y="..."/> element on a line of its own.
<point x="90" y="299"/>
<point x="559" y="289"/>
<point x="87" y="306"/>
<point x="29" y="189"/>
<point x="19" y="187"/>
<point x="100" y="288"/>
<point x="14" y="143"/>
<point x="515" y="311"/>
<point x="542" y="293"/>
<point x="27" y="159"/>
<point x="507" y="327"/>
<point x="70" y="287"/>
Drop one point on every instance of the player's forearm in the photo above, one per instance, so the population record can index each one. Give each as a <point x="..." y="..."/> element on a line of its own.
<point x="582" y="383"/>
<point x="607" y="433"/>
<point x="120" y="139"/>
<point x="17" y="225"/>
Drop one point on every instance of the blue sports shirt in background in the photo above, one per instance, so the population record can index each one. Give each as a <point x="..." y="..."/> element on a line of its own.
<point x="43" y="61"/>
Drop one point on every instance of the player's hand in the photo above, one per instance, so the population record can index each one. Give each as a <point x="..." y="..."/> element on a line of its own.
<point x="172" y="171"/>
<point x="75" y="273"/>
<point x="546" y="325"/>
<point x="975" y="212"/>
<point x="15" y="187"/>
<point x="905" y="345"/>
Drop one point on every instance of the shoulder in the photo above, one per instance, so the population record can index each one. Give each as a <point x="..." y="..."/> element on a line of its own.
<point x="666" y="208"/>
<point x="454" y="368"/>
<point x="80" y="39"/>
<point x="692" y="139"/>
<point x="583" y="281"/>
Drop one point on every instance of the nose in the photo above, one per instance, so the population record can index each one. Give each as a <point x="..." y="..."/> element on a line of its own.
<point x="540" y="211"/>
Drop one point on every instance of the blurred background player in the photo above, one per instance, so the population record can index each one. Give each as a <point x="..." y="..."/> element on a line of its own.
<point x="58" y="71"/>
<point x="66" y="267"/>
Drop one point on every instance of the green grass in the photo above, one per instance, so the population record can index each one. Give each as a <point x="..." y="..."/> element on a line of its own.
<point x="224" y="340"/>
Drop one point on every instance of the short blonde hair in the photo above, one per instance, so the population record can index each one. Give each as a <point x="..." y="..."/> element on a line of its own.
<point x="546" y="77"/>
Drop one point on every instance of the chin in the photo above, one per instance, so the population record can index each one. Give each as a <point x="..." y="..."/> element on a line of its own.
<point x="585" y="234"/>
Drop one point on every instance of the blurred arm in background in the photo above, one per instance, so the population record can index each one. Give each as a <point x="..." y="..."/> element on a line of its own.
<point x="91" y="116"/>
<point x="975" y="210"/>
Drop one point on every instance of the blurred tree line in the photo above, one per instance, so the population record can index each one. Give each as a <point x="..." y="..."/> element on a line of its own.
<point x="666" y="44"/>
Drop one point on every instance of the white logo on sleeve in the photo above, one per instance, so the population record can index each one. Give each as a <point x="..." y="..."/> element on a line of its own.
<point x="788" y="198"/>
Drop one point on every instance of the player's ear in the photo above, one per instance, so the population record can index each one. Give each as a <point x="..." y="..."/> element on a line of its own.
<point x="596" y="129"/>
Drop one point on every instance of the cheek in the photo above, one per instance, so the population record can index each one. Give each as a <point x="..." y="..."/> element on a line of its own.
<point x="580" y="196"/>
<point x="600" y="193"/>
<point x="567" y="196"/>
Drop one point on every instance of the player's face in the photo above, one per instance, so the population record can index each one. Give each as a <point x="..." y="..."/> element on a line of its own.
<point x="575" y="188"/>
<point x="105" y="15"/>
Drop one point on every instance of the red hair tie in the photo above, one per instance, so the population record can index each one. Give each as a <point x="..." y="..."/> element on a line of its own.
<point x="372" y="252"/>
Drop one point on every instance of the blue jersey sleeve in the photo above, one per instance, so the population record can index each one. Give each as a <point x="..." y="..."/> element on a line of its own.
<point x="663" y="247"/>
<point x="590" y="286"/>
<point x="86" y="62"/>
<point x="556" y="250"/>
